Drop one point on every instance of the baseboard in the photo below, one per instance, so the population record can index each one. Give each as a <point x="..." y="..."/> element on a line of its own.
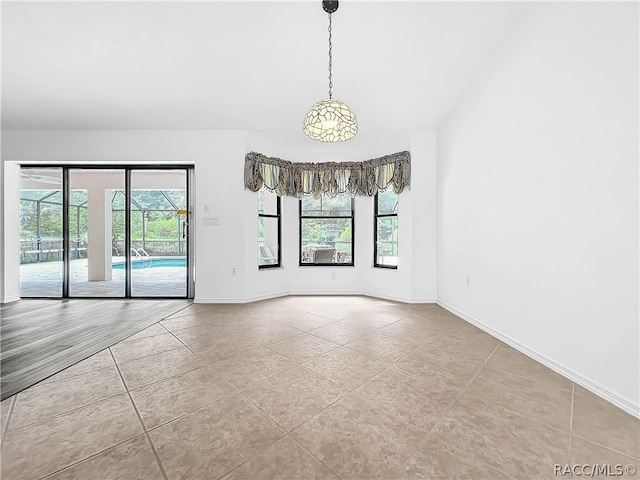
<point x="396" y="298"/>
<point x="619" y="401"/>
<point x="268" y="296"/>
<point x="11" y="299"/>
<point x="255" y="298"/>
<point x="325" y="292"/>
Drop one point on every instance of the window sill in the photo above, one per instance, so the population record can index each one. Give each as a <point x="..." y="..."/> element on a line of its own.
<point x="326" y="265"/>
<point x="388" y="267"/>
<point x="268" y="267"/>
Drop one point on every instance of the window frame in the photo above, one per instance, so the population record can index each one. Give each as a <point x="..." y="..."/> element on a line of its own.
<point x="353" y="236"/>
<point x="278" y="216"/>
<point x="376" y="216"/>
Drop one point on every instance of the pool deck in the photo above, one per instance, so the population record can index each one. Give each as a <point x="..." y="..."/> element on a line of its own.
<point x="45" y="280"/>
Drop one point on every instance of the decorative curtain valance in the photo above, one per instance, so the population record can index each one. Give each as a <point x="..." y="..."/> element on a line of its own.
<point x="331" y="178"/>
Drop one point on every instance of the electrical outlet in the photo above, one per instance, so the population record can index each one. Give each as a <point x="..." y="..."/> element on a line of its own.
<point x="333" y="276"/>
<point x="468" y="281"/>
<point x="233" y="271"/>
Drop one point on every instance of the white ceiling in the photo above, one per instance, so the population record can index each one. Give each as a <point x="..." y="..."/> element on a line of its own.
<point x="255" y="66"/>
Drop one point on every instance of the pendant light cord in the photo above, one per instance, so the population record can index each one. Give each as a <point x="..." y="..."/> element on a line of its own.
<point x="330" y="59"/>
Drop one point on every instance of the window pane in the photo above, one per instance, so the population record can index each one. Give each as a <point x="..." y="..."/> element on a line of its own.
<point x="158" y="239"/>
<point x="40" y="232"/>
<point x="93" y="233"/>
<point x="387" y="202"/>
<point x="117" y="202"/>
<point x="324" y="206"/>
<point x="326" y="240"/>
<point x="387" y="241"/>
<point x="267" y="241"/>
<point x="267" y="202"/>
<point x="78" y="197"/>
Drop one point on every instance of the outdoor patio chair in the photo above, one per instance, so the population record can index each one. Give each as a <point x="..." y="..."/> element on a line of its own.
<point x="266" y="256"/>
<point x="324" y="255"/>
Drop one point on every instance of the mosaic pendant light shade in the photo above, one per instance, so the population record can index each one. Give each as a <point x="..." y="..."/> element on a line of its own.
<point x="330" y="120"/>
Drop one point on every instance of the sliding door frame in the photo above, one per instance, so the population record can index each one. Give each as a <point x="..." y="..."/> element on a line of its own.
<point x="128" y="169"/>
<point x="66" y="243"/>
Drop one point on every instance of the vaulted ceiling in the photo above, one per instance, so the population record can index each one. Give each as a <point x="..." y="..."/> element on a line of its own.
<point x="255" y="66"/>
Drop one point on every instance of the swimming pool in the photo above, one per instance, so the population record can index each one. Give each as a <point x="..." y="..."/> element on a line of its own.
<point x="153" y="263"/>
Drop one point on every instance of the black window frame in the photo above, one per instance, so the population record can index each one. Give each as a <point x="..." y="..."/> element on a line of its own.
<point x="278" y="215"/>
<point x="376" y="216"/>
<point x="327" y="217"/>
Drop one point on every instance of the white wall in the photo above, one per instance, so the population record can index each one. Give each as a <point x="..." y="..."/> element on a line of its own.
<point x="538" y="195"/>
<point x="413" y="281"/>
<point x="10" y="233"/>
<point x="218" y="157"/>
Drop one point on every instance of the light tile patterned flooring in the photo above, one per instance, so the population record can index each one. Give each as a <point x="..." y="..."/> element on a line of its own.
<point x="310" y="388"/>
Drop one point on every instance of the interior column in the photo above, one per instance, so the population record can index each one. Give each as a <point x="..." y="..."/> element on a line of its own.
<point x="99" y="234"/>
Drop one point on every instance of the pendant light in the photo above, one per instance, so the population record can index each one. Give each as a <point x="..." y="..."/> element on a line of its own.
<point x="330" y="120"/>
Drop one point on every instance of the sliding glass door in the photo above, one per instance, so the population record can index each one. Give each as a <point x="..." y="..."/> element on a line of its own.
<point x="105" y="232"/>
<point x="94" y="227"/>
<point x="158" y="233"/>
<point x="41" y="262"/>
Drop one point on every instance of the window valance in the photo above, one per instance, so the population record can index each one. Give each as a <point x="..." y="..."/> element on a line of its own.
<point x="331" y="178"/>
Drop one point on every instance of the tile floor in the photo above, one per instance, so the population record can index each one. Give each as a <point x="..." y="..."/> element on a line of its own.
<point x="310" y="388"/>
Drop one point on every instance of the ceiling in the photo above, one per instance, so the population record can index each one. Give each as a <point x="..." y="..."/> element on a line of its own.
<point x="255" y="66"/>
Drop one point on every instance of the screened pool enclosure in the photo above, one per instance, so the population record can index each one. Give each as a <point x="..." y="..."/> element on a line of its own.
<point x="105" y="250"/>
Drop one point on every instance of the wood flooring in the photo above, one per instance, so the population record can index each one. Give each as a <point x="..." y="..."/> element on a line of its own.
<point x="39" y="338"/>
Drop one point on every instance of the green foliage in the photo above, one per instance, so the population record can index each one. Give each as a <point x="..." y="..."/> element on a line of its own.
<point x="158" y="224"/>
<point x="164" y="228"/>
<point x="50" y="220"/>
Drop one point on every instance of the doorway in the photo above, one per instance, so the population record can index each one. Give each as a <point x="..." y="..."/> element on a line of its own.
<point x="105" y="232"/>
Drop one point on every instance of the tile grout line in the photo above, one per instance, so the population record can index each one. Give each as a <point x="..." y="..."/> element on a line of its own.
<point x="347" y="389"/>
<point x="573" y="389"/>
<point x="295" y="361"/>
<point x="257" y="407"/>
<point x="337" y="400"/>
<point x="341" y="385"/>
<point x="144" y="428"/>
<point x="143" y="356"/>
<point x="181" y="416"/>
<point x="472" y="379"/>
<point x="391" y="413"/>
<point x="128" y="339"/>
<point x="133" y="389"/>
<point x="306" y="450"/>
<point x="451" y="406"/>
<point x="413" y="454"/>
<point x="71" y="465"/>
<point x="422" y="344"/>
<point x="607" y="448"/>
<point x="535" y="380"/>
<point x="367" y="355"/>
<point x="285" y="431"/>
<point x="5" y="427"/>
<point x="49" y="380"/>
<point x="59" y="414"/>
<point x="262" y="411"/>
<point x="181" y="342"/>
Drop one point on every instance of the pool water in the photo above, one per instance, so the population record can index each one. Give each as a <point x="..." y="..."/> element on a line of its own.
<point x="153" y="263"/>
